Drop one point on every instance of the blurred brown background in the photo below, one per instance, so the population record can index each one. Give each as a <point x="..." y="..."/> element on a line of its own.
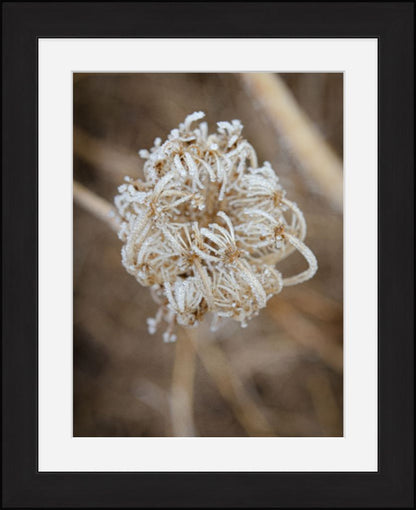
<point x="287" y="364"/>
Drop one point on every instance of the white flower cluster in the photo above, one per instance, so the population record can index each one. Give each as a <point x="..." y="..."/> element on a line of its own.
<point x="206" y="227"/>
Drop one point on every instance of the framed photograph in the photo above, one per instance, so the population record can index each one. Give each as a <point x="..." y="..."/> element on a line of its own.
<point x="208" y="254"/>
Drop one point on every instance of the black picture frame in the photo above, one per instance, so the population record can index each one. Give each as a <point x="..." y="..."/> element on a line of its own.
<point x="392" y="24"/>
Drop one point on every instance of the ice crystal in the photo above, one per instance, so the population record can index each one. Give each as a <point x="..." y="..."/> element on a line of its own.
<point x="206" y="226"/>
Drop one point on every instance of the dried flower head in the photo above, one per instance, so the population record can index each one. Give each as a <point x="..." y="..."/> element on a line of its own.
<point x="206" y="227"/>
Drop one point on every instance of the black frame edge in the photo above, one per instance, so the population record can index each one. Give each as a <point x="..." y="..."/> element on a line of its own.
<point x="392" y="24"/>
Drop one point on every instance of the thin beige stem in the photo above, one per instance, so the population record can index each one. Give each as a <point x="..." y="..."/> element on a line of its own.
<point x="108" y="158"/>
<point x="96" y="205"/>
<point x="316" y="157"/>
<point x="181" y="403"/>
<point x="232" y="389"/>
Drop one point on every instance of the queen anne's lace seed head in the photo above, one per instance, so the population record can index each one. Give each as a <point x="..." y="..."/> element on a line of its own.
<point x="207" y="225"/>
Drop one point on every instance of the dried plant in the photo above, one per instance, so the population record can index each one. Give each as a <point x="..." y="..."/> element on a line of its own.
<point x="206" y="227"/>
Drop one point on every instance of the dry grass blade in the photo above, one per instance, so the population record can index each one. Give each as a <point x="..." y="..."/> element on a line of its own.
<point x="314" y="154"/>
<point x="110" y="159"/>
<point x="96" y="205"/>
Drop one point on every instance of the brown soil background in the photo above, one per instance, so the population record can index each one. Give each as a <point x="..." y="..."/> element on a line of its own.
<point x="289" y="359"/>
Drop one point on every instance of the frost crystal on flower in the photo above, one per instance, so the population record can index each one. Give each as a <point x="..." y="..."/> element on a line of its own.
<point x="206" y="227"/>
